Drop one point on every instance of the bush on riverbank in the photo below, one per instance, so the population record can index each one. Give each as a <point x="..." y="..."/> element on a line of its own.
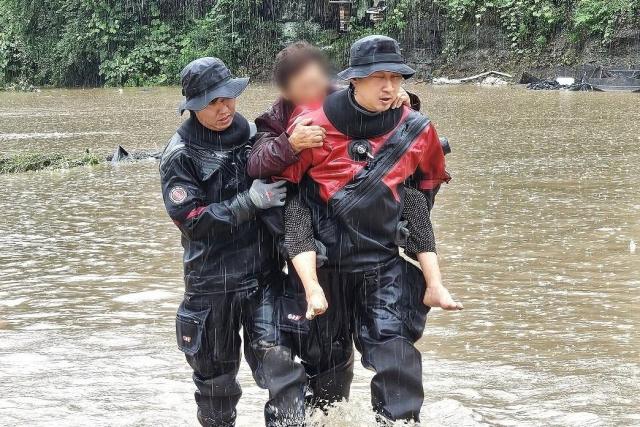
<point x="135" y="42"/>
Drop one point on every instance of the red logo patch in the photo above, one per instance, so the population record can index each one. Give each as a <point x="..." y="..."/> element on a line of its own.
<point x="178" y="195"/>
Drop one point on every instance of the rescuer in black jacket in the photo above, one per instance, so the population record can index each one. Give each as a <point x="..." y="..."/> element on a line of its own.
<point x="231" y="269"/>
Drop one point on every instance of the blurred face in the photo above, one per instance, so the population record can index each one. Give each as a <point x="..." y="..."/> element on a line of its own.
<point x="218" y="115"/>
<point x="307" y="86"/>
<point x="377" y="91"/>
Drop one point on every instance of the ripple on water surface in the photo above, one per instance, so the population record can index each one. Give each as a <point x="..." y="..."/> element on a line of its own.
<point x="534" y="234"/>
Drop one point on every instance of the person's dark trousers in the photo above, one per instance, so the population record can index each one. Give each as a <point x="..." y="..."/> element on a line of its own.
<point x="326" y="346"/>
<point x="389" y="318"/>
<point x="207" y="329"/>
<point x="382" y="311"/>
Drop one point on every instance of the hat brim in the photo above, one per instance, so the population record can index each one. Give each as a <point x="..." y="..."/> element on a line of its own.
<point x="361" y="71"/>
<point x="232" y="89"/>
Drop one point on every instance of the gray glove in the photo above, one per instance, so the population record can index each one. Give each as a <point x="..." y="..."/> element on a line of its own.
<point x="265" y="195"/>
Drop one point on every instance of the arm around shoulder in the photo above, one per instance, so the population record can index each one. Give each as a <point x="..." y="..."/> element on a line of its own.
<point x="272" y="152"/>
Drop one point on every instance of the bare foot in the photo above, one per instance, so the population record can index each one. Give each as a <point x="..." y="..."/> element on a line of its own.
<point x="437" y="295"/>
<point x="316" y="302"/>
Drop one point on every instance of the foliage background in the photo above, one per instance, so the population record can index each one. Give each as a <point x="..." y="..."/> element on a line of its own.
<point x="146" y="42"/>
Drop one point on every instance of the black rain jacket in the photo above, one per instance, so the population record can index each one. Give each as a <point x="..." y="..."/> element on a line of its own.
<point x="205" y="191"/>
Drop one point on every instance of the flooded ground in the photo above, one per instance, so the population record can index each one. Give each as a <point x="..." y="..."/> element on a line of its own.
<point x="537" y="234"/>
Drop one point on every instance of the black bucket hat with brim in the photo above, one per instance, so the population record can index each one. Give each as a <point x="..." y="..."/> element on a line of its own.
<point x="206" y="79"/>
<point x="375" y="53"/>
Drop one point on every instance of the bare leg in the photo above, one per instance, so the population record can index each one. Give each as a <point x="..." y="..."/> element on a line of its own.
<point x="305" y="265"/>
<point x="436" y="294"/>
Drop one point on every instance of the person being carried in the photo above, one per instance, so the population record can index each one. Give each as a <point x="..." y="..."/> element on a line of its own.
<point x="231" y="265"/>
<point x="300" y="72"/>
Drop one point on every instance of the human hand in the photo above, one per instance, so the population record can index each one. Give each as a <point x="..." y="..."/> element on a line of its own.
<point x="402" y="98"/>
<point x="316" y="301"/>
<point x="305" y="135"/>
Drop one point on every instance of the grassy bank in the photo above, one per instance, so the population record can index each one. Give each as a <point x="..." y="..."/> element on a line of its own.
<point x="36" y="161"/>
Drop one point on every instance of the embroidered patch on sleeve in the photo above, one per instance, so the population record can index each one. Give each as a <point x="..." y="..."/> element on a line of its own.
<point x="178" y="194"/>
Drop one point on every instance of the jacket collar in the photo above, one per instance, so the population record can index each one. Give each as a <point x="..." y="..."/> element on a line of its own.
<point x="236" y="135"/>
<point x="351" y="119"/>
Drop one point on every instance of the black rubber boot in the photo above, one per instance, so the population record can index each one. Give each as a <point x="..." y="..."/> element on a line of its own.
<point x="331" y="386"/>
<point x="215" y="421"/>
<point x="396" y="388"/>
<point x="286" y="380"/>
<point x="217" y="399"/>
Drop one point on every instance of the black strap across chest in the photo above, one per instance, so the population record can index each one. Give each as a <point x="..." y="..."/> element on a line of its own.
<point x="384" y="160"/>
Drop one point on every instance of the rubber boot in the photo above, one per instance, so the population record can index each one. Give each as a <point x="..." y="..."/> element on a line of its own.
<point x="331" y="386"/>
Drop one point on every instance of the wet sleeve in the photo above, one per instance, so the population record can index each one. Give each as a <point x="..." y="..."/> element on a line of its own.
<point x="272" y="152"/>
<point x="298" y="228"/>
<point x="184" y="200"/>
<point x="416" y="212"/>
<point x="431" y="171"/>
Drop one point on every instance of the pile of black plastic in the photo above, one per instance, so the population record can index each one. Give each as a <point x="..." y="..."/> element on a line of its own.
<point x="588" y="78"/>
<point x="122" y="155"/>
<point x="544" y="85"/>
<point x="535" y="83"/>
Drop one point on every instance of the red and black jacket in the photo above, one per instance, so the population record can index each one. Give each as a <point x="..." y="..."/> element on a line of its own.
<point x="354" y="184"/>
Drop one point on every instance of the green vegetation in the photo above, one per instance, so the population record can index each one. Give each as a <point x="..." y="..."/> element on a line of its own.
<point x="36" y="161"/>
<point x="146" y="42"/>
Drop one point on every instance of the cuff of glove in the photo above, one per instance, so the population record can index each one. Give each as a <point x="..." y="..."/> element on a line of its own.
<point x="243" y="208"/>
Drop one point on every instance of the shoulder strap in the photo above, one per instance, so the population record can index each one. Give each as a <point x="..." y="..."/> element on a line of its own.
<point x="387" y="157"/>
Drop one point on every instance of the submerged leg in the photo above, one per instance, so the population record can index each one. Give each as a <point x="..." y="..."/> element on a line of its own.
<point x="390" y="318"/>
<point x="328" y="350"/>
<point x="272" y="362"/>
<point x="208" y="331"/>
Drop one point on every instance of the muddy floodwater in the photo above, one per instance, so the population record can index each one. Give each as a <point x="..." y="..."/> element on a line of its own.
<point x="537" y="236"/>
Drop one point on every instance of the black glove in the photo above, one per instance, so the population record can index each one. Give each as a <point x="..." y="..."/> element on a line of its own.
<point x="265" y="196"/>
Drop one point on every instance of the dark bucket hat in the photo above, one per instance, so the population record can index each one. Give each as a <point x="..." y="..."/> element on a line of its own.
<point x="206" y="79"/>
<point x="375" y="53"/>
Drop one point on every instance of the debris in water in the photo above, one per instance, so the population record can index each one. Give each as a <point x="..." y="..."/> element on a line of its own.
<point x="38" y="161"/>
<point x="445" y="81"/>
<point x="632" y="247"/>
<point x="556" y="85"/>
<point x="489" y="78"/>
<point x="493" y="81"/>
<point x="120" y="155"/>
<point x="485" y="74"/>
<point x="565" y="81"/>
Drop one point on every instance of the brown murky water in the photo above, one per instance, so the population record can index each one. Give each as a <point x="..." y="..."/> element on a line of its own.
<point x="537" y="234"/>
